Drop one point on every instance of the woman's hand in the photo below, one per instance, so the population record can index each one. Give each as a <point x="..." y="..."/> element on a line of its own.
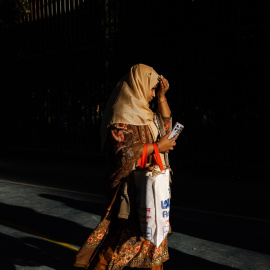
<point x="163" y="87"/>
<point x="166" y="144"/>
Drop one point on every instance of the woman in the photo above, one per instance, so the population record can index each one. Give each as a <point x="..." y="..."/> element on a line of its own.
<point x="128" y="126"/>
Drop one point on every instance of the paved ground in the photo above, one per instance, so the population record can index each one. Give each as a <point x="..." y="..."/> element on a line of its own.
<point x="248" y="197"/>
<point x="43" y="221"/>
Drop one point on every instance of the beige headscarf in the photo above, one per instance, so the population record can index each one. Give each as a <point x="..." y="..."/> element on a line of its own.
<point x="129" y="102"/>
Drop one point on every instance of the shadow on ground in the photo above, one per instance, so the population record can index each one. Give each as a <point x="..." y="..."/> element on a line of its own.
<point x="234" y="231"/>
<point x="86" y="206"/>
<point x="33" y="252"/>
<point x="239" y="232"/>
<point x="30" y="221"/>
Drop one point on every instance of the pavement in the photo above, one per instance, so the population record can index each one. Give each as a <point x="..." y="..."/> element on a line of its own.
<point x="49" y="207"/>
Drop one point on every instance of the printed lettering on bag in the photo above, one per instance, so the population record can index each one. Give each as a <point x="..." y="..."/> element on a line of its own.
<point x="149" y="235"/>
<point x="166" y="213"/>
<point x="143" y="209"/>
<point x="166" y="221"/>
<point x="165" y="230"/>
<point x="148" y="217"/>
<point x="165" y="204"/>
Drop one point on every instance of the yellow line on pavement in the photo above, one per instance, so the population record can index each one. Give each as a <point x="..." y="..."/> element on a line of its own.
<point x="26" y="230"/>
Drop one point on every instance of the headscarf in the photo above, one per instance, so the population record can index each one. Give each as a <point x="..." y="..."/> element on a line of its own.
<point x="128" y="103"/>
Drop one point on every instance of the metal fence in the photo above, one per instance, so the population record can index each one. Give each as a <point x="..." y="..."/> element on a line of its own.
<point x="63" y="59"/>
<point x="59" y="77"/>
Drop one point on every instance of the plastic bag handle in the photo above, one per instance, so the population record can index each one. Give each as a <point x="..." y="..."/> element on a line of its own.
<point x="142" y="161"/>
<point x="157" y="157"/>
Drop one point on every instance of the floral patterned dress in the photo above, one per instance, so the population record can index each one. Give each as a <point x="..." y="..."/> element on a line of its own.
<point x="117" y="241"/>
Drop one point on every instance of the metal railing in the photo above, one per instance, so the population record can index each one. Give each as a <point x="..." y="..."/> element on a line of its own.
<point x="65" y="57"/>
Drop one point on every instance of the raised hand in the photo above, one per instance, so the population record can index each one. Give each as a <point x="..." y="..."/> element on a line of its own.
<point x="163" y="86"/>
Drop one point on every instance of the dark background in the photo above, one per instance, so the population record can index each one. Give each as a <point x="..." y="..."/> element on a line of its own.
<point x="60" y="64"/>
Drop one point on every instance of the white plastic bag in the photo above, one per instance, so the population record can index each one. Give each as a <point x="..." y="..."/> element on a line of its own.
<point x="153" y="203"/>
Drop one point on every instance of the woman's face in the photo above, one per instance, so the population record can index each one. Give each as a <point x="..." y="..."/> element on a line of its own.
<point x="153" y="93"/>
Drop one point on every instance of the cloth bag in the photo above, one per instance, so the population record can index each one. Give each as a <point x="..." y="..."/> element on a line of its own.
<point x="153" y="198"/>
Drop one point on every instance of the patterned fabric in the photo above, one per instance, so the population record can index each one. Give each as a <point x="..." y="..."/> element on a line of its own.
<point x="119" y="242"/>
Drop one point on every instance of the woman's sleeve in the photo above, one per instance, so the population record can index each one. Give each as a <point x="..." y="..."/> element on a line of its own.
<point x="167" y="123"/>
<point x="126" y="149"/>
